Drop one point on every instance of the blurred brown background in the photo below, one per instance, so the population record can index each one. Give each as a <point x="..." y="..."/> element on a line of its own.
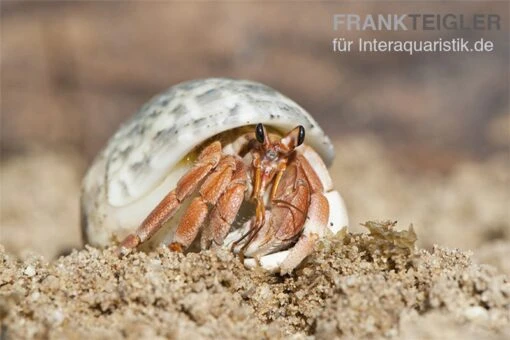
<point x="423" y="139"/>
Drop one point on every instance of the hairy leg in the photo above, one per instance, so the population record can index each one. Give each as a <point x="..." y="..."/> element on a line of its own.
<point x="207" y="161"/>
<point x="211" y="191"/>
<point x="225" y="211"/>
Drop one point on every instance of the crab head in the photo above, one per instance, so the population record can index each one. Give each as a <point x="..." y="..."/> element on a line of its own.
<point x="270" y="159"/>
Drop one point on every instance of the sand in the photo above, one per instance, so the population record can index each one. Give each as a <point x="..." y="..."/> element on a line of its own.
<point x="354" y="286"/>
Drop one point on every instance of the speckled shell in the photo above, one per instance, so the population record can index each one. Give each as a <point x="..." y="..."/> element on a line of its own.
<point x="140" y="162"/>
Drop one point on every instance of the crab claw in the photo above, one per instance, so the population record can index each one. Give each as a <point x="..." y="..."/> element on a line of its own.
<point x="276" y="254"/>
<point x="256" y="243"/>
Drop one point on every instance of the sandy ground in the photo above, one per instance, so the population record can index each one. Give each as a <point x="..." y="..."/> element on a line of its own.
<point x="353" y="286"/>
<point x="379" y="283"/>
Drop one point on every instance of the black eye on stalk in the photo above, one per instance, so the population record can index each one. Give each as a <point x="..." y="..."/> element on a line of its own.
<point x="259" y="133"/>
<point x="301" y="135"/>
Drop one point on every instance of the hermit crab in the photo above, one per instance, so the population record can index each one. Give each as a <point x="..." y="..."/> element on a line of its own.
<point x="215" y="163"/>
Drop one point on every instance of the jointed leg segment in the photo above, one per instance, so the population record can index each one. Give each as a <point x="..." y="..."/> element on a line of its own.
<point x="207" y="161"/>
<point x="210" y="191"/>
<point x="225" y="211"/>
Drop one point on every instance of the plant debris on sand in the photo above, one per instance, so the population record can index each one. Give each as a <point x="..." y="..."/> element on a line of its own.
<point x="354" y="285"/>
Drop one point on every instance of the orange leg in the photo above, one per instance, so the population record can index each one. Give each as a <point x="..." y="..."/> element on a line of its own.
<point x="225" y="211"/>
<point x="207" y="160"/>
<point x="260" y="208"/>
<point x="189" y="225"/>
<point x="210" y="192"/>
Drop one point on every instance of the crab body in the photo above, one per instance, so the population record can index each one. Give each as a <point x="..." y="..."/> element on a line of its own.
<point x="192" y="162"/>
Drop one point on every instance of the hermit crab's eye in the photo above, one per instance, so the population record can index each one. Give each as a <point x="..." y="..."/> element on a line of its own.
<point x="259" y="133"/>
<point x="301" y="135"/>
